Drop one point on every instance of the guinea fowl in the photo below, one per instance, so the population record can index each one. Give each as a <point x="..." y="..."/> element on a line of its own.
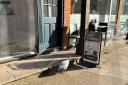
<point x="62" y="66"/>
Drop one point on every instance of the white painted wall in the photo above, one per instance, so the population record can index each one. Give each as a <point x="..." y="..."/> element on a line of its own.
<point x="75" y="19"/>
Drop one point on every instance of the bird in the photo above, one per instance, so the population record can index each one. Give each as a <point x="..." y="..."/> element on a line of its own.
<point x="52" y="70"/>
<point x="63" y="65"/>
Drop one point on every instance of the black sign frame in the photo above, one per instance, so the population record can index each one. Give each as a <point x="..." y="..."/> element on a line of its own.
<point x="92" y="46"/>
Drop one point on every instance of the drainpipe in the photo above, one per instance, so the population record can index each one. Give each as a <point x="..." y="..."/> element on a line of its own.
<point x="62" y="26"/>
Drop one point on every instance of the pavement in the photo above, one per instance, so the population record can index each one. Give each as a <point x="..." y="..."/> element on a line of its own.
<point x="113" y="69"/>
<point x="18" y="69"/>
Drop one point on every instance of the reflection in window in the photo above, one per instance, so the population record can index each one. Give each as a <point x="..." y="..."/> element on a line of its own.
<point x="77" y="6"/>
<point x="5" y="7"/>
<point x="93" y="6"/>
<point x="96" y="6"/>
<point x="49" y="8"/>
<point x="45" y="11"/>
<point x="114" y="7"/>
<point x="125" y="11"/>
<point x="99" y="7"/>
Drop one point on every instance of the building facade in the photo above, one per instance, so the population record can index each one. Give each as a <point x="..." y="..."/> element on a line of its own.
<point x="17" y="26"/>
<point x="37" y="25"/>
<point x="113" y="12"/>
<point x="33" y="25"/>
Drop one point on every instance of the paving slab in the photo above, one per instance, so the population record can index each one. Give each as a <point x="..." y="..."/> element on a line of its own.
<point x="24" y="68"/>
<point x="113" y="71"/>
<point x="19" y="69"/>
<point x="119" y="75"/>
<point x="87" y="78"/>
<point x="5" y="77"/>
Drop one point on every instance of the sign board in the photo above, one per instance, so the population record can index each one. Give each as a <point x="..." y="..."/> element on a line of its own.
<point x="92" y="45"/>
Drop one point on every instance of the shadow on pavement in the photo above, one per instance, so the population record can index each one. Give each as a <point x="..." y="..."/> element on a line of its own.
<point x="30" y="65"/>
<point x="45" y="73"/>
<point x="52" y="56"/>
<point x="49" y="72"/>
<point x="74" y="67"/>
<point x="89" y="65"/>
<point x="54" y="71"/>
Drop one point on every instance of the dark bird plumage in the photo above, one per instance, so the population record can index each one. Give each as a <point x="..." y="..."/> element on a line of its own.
<point x="62" y="66"/>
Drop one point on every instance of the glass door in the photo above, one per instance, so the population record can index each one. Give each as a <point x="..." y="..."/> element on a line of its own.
<point x="48" y="30"/>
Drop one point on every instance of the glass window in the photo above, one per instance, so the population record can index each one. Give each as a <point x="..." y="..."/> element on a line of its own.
<point x="55" y="1"/>
<point x="76" y="6"/>
<point x="45" y="1"/>
<point x="93" y="6"/>
<point x="49" y="8"/>
<point x="54" y="12"/>
<point x="45" y="11"/>
<point x="49" y="1"/>
<point x="114" y="7"/>
<point x="5" y="7"/>
<point x="99" y="7"/>
<point x="125" y="11"/>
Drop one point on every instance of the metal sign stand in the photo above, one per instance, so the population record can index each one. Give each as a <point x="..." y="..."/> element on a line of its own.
<point x="92" y="47"/>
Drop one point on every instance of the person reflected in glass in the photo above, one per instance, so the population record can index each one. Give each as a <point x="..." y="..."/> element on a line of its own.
<point x="92" y="26"/>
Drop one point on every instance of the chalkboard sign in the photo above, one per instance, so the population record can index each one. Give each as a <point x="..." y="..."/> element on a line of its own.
<point x="92" y="45"/>
<point x="92" y="41"/>
<point x="5" y="7"/>
<point x="93" y="36"/>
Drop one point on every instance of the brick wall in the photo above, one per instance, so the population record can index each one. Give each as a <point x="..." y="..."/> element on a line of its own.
<point x="67" y="12"/>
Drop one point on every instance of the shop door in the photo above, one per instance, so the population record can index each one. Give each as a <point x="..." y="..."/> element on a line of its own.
<point x="47" y="22"/>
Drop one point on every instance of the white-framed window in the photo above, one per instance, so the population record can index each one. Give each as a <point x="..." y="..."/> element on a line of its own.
<point x="99" y="7"/>
<point x="49" y="8"/>
<point x="125" y="10"/>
